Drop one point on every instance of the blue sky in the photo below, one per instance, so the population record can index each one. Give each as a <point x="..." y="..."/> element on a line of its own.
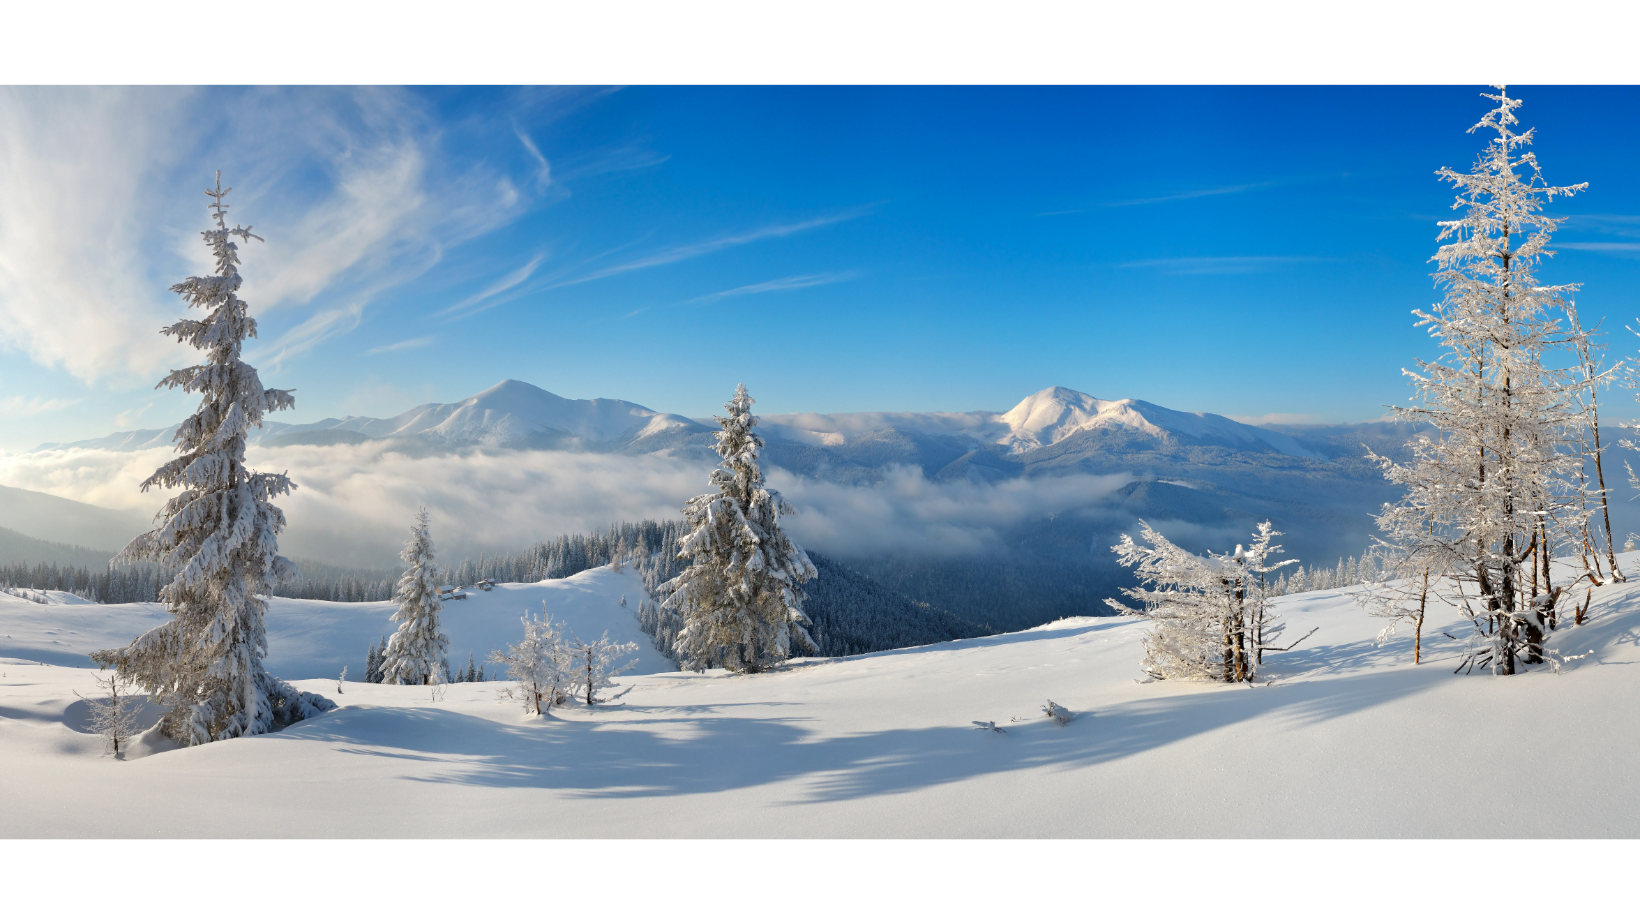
<point x="1246" y="251"/>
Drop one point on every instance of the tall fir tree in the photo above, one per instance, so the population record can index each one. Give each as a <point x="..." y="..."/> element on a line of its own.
<point x="741" y="597"/>
<point x="219" y="534"/>
<point x="1492" y="486"/>
<point x="417" y="650"/>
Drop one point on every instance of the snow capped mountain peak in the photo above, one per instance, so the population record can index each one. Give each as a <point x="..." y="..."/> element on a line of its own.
<point x="511" y="412"/>
<point x="517" y="414"/>
<point x="1055" y="413"/>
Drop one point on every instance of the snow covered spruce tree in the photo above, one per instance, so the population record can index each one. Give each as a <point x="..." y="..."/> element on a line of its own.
<point x="1491" y="489"/>
<point x="1209" y="615"/>
<point x="740" y="598"/>
<point x="219" y="534"/>
<point x="417" y="649"/>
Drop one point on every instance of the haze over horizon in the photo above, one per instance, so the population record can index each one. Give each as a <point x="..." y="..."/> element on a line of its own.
<point x="1250" y="252"/>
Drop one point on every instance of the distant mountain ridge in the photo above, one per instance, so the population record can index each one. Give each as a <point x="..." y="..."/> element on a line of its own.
<point x="515" y="414"/>
<point x="509" y="415"/>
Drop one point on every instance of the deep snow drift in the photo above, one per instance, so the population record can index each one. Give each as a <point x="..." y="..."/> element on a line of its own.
<point x="1350" y="739"/>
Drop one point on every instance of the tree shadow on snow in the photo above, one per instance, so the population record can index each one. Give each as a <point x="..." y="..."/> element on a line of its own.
<point x="660" y="751"/>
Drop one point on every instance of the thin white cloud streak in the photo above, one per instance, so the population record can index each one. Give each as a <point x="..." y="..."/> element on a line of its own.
<point x="319" y="327"/>
<point x="411" y="344"/>
<point x="544" y="175"/>
<point x="1176" y="197"/>
<point x="511" y="280"/>
<point x="17" y="406"/>
<point x="103" y="208"/>
<point x="128" y="417"/>
<point x="353" y="503"/>
<point x="1201" y="193"/>
<point x="1219" y="266"/>
<point x="777" y="285"/>
<point x="1617" y="248"/>
<point x="701" y="248"/>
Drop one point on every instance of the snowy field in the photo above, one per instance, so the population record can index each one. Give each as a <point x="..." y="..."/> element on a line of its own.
<point x="1350" y="739"/>
<point x="317" y="638"/>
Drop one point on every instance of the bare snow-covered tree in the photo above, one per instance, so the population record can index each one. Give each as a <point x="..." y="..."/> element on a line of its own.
<point x="219" y="534"/>
<point x="1209" y="615"/>
<point x="417" y="649"/>
<point x="538" y="666"/>
<point x="592" y="665"/>
<point x="1491" y="487"/>
<point x="740" y="597"/>
<point x="113" y="716"/>
<point x="1593" y="449"/>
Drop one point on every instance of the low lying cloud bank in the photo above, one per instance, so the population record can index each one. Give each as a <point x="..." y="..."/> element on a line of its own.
<point x="353" y="504"/>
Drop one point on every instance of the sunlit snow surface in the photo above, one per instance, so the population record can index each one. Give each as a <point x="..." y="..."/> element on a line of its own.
<point x="1350" y="740"/>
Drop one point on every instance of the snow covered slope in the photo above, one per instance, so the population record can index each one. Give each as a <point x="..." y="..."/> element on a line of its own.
<point x="316" y="638"/>
<point x="1349" y="740"/>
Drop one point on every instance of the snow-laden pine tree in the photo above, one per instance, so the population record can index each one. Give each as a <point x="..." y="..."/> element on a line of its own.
<point x="1209" y="615"/>
<point x="219" y="534"/>
<point x="416" y="652"/>
<point x="1491" y="488"/>
<point x="741" y="597"/>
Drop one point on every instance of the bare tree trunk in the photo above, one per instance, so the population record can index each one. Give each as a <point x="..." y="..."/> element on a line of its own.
<point x="1418" y="627"/>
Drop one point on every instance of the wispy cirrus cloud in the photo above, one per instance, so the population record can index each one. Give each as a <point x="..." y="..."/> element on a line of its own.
<point x="411" y="344"/>
<point x="1220" y="266"/>
<point x="350" y="188"/>
<point x="316" y="329"/>
<point x="783" y="284"/>
<point x="543" y="176"/>
<point x="1606" y="223"/>
<point x="17" y="406"/>
<point x="1202" y="193"/>
<point x="778" y="285"/>
<point x="1615" y="248"/>
<point x="682" y="252"/>
<point x="510" y="281"/>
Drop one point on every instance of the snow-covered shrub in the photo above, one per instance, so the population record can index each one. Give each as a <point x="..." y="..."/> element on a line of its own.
<point x="1060" y="715"/>
<point x="538" y="666"/>
<point x="114" y="717"/>
<point x="1209" y="618"/>
<point x="219" y="534"/>
<point x="592" y="664"/>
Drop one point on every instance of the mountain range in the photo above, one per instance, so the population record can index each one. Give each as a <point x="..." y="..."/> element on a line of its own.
<point x="1207" y="478"/>
<point x="984" y="444"/>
